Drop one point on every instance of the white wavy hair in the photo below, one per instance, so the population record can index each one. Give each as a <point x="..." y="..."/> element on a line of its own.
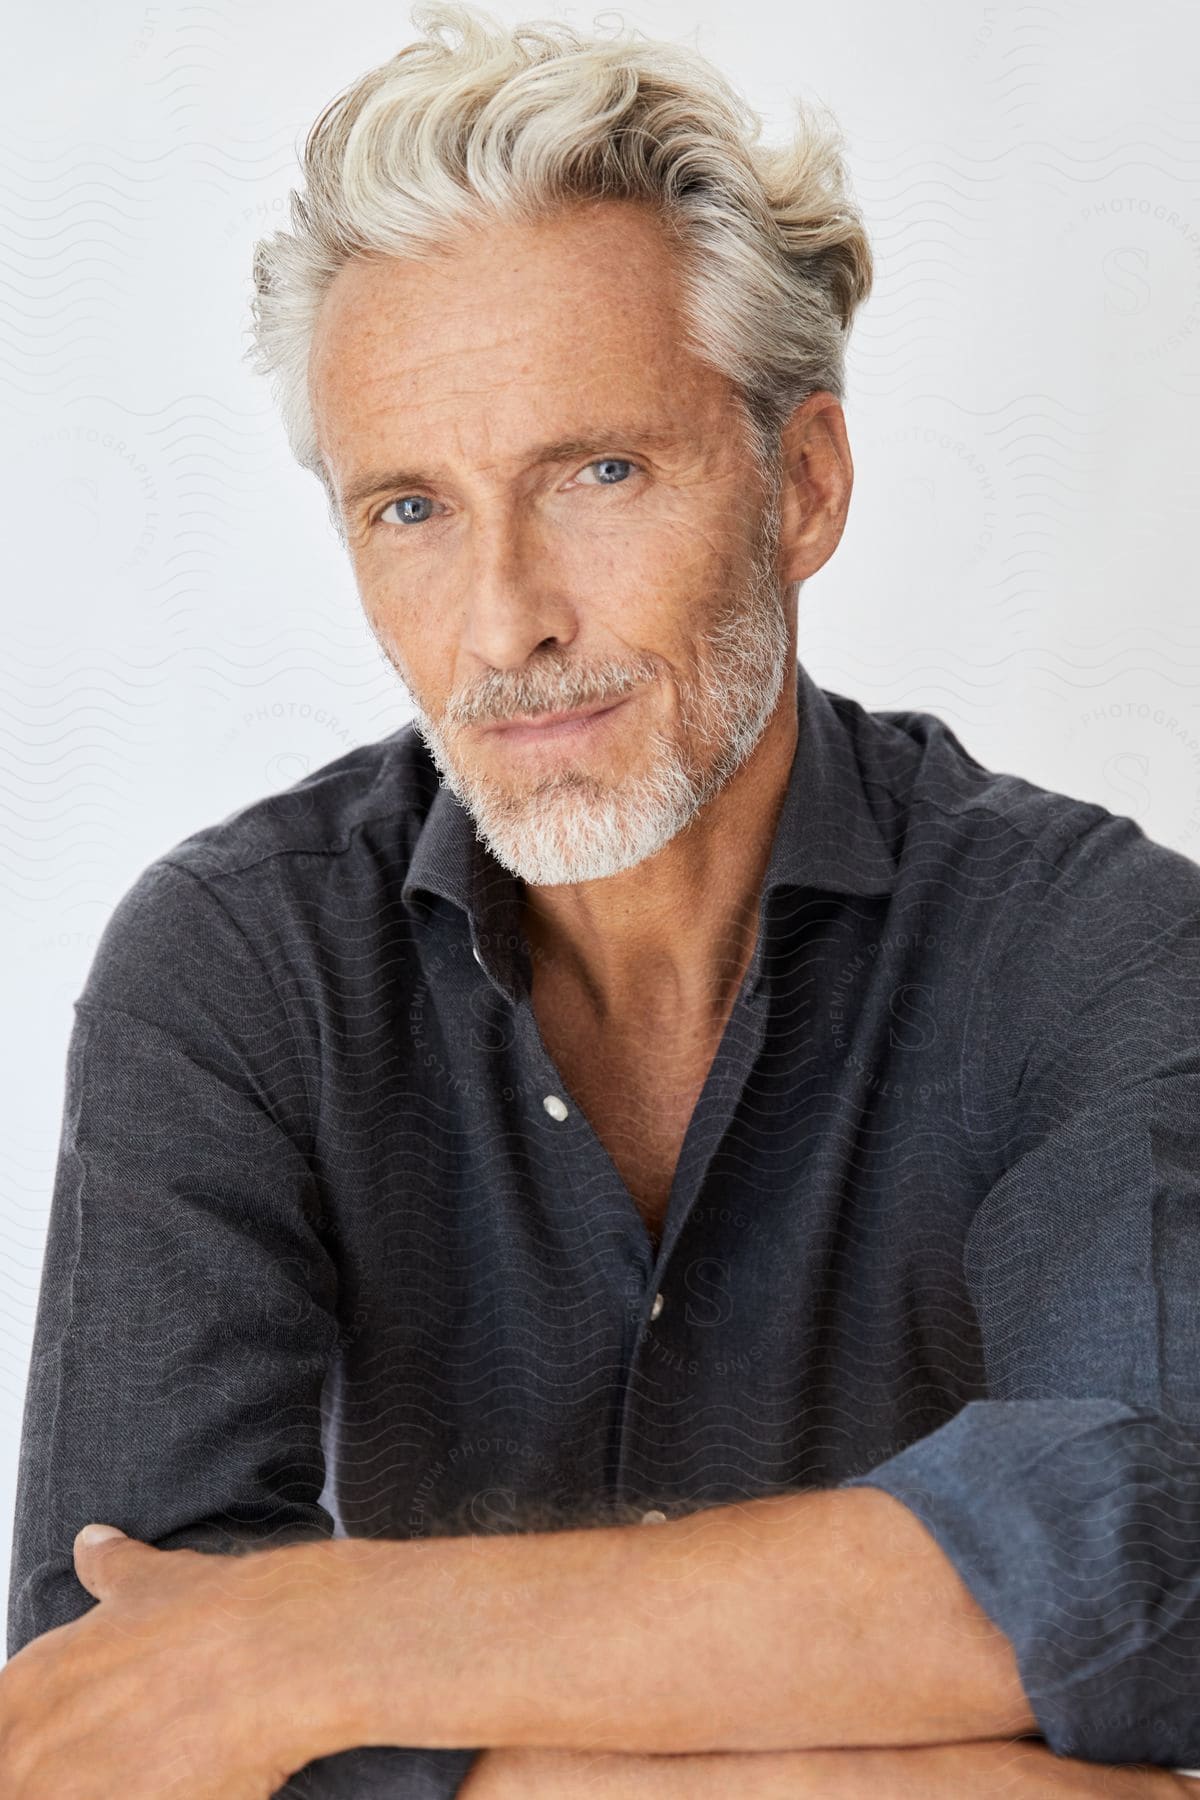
<point x="480" y="123"/>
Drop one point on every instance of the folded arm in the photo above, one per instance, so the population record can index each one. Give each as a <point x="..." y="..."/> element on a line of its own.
<point x="188" y="1306"/>
<point x="1019" y="1769"/>
<point x="790" y="1622"/>
<point x="1069" y="1497"/>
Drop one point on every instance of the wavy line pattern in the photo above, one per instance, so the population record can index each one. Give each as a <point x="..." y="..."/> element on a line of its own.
<point x="182" y="634"/>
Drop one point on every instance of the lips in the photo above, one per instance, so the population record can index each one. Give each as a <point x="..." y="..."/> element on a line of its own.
<point x="539" y="720"/>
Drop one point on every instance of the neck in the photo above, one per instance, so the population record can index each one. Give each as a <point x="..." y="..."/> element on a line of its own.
<point x="669" y="941"/>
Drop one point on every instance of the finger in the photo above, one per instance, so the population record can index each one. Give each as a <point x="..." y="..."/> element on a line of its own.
<point x="103" y="1556"/>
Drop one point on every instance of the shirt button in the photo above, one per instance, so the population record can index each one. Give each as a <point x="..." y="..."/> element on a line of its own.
<point x="659" y="1303"/>
<point x="654" y="1517"/>
<point x="554" y="1107"/>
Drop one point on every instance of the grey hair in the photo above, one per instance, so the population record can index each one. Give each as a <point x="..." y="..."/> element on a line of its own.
<point x="511" y="123"/>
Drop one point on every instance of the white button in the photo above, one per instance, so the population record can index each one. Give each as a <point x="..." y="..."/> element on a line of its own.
<point x="554" y="1106"/>
<point x="659" y="1303"/>
<point x="654" y="1517"/>
<point x="476" y="955"/>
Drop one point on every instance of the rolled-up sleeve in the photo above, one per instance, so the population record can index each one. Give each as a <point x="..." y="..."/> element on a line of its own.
<point x="187" y="1310"/>
<point x="1068" y="1498"/>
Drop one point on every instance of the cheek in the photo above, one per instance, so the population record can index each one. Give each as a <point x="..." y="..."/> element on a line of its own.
<point x="697" y="563"/>
<point x="402" y="631"/>
<point x="645" y="583"/>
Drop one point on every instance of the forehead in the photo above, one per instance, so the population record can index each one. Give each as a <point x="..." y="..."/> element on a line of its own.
<point x="518" y="330"/>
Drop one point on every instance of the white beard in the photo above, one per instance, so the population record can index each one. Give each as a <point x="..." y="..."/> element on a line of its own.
<point x="569" y="827"/>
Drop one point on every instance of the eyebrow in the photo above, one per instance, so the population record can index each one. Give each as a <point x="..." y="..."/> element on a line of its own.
<point x="365" y="487"/>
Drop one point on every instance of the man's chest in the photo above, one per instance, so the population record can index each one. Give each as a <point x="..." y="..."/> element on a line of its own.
<point x="498" y="1193"/>
<point x="641" y="1117"/>
<point x="638" y="1092"/>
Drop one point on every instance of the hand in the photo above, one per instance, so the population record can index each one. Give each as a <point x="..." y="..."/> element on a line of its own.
<point x="171" y="1686"/>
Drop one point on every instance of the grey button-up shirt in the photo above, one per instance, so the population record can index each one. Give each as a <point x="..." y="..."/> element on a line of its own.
<point x="332" y="1246"/>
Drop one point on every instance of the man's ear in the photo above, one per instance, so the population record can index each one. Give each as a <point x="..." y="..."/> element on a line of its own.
<point x="818" y="477"/>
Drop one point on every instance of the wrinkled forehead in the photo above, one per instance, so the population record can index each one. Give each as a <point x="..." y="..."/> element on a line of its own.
<point x="529" y="326"/>
<point x="575" y="271"/>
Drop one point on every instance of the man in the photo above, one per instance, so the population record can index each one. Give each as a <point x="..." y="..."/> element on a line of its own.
<point x="729" y="1112"/>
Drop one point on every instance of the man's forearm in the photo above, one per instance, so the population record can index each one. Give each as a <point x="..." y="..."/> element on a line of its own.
<point x="799" y="1621"/>
<point x="1016" y="1770"/>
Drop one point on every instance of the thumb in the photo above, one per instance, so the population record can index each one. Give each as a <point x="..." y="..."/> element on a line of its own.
<point x="100" y="1552"/>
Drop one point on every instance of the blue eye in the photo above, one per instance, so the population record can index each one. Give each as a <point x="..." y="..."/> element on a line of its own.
<point x="407" y="500"/>
<point x="611" y="462"/>
<point x="617" y="470"/>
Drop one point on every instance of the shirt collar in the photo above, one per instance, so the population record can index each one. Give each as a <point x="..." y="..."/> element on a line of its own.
<point x="827" y="836"/>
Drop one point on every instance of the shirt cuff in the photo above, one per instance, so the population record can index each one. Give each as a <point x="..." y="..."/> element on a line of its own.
<point x="1075" y="1524"/>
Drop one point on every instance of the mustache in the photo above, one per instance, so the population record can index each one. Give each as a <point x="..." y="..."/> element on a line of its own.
<point x="497" y="702"/>
<point x="561" y="686"/>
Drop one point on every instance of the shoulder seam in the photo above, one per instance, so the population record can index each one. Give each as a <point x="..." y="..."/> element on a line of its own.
<point x="1033" y="841"/>
<point x="251" y="949"/>
<point x="255" y="862"/>
<point x="1020" y="918"/>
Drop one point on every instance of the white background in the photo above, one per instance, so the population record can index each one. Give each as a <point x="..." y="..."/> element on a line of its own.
<point x="181" y="629"/>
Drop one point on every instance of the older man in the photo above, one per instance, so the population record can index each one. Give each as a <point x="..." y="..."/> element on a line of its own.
<point x="646" y="1091"/>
